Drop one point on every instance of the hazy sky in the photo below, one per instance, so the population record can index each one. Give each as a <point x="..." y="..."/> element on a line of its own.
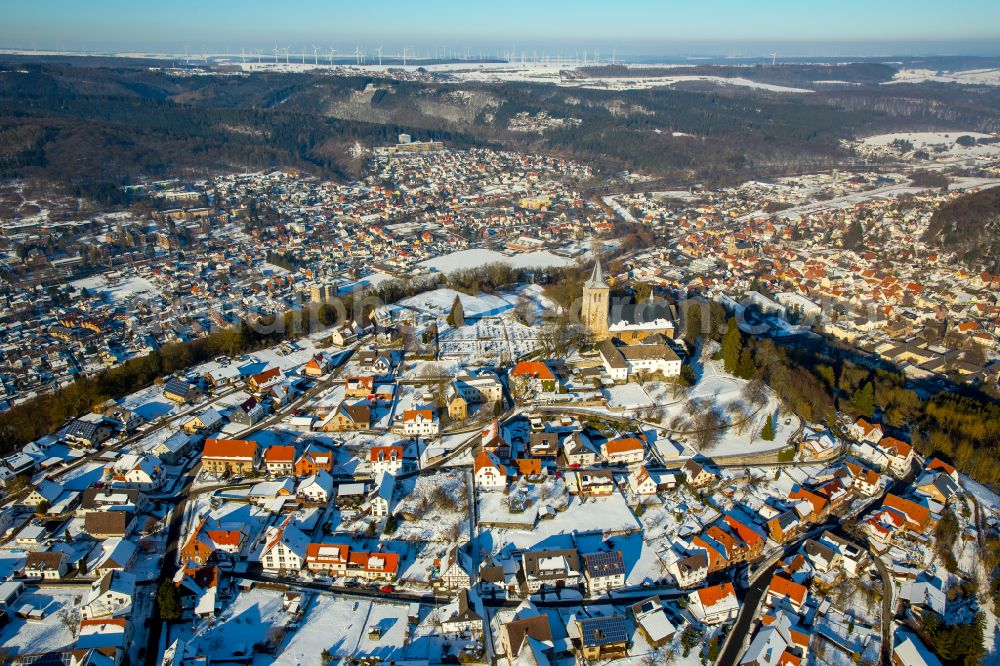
<point x="723" y="27"/>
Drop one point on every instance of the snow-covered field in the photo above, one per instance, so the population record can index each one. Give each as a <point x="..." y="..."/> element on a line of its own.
<point x="116" y="291"/>
<point x="989" y="77"/>
<point x="462" y="259"/>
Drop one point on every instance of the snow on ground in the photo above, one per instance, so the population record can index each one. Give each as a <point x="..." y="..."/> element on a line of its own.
<point x="149" y="403"/>
<point x="244" y="622"/>
<point x="463" y="259"/>
<point x="580" y="515"/>
<point x="989" y="77"/>
<point x="51" y="633"/>
<point x="440" y="501"/>
<point x="115" y="290"/>
<point x="627" y="396"/>
<point x="11" y="561"/>
<point x="83" y="477"/>
<point x="341" y="627"/>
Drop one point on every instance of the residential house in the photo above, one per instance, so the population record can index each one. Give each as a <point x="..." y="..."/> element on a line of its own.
<point x="578" y="451"/>
<point x="382" y="502"/>
<point x="640" y="483"/>
<point x="604" y="571"/>
<point x="348" y="417"/>
<point x="591" y="483"/>
<point x="327" y="558"/>
<point x="112" y="499"/>
<point x="690" y="570"/>
<point x="172" y="450"/>
<point x="514" y="633"/>
<point x="714" y="604"/>
<point x="180" y="391"/>
<point x="49" y="565"/>
<point x="696" y="474"/>
<point x="899" y="453"/>
<point x="603" y="638"/>
<point x="317" y="489"/>
<point x="313" y="460"/>
<point x="114" y="554"/>
<point x="783" y="592"/>
<point x="284" y="549"/>
<point x="420" y="423"/>
<point x="230" y="456"/>
<point x="649" y="357"/>
<point x="488" y="473"/>
<point x="863" y="431"/>
<point x="651" y="619"/>
<point x="250" y="412"/>
<point x="207" y="421"/>
<point x="373" y="566"/>
<point x="90" y="430"/>
<point x="543" y="445"/>
<point x="453" y="575"/>
<point x="263" y="381"/>
<point x="464" y="620"/>
<point x="385" y="460"/>
<point x="108" y="524"/>
<point x="623" y="451"/>
<point x="279" y="460"/>
<point x="536" y="375"/>
<point x="360" y="387"/>
<point x="550" y="569"/>
<point x="109" y="596"/>
<point x="138" y="472"/>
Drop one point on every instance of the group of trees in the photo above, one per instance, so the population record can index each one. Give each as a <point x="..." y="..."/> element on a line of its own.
<point x="815" y="381"/>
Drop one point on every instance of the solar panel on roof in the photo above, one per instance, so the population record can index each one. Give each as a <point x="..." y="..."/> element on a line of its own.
<point x="605" y="564"/>
<point x="604" y="630"/>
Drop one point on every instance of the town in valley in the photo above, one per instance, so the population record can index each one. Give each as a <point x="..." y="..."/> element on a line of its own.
<point x="488" y="392"/>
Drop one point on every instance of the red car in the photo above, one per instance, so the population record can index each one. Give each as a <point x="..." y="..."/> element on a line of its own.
<point x="386" y="589"/>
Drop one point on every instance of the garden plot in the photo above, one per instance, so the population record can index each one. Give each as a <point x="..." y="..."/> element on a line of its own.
<point x="433" y="507"/>
<point x="54" y="632"/>
<point x="839" y="636"/>
<point x="254" y="616"/>
<point x="340" y="628"/>
<point x="572" y="515"/>
<point x="150" y="404"/>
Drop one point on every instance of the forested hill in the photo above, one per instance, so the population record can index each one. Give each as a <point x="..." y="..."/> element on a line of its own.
<point x="100" y="126"/>
<point x="970" y="227"/>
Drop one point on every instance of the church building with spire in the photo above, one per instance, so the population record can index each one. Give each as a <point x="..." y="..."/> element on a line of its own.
<point x="596" y="299"/>
<point x="628" y="322"/>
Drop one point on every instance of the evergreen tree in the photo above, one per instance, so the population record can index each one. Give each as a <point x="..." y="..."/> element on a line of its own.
<point x="731" y="346"/>
<point x="746" y="368"/>
<point x="767" y="433"/>
<point x="168" y="601"/>
<point x="456" y="318"/>
<point x="863" y="400"/>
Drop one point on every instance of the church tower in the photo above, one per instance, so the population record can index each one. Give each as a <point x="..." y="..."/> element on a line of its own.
<point x="594" y="310"/>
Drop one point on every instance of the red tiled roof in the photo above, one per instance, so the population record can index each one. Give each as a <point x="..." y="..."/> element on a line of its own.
<point x="230" y="449"/>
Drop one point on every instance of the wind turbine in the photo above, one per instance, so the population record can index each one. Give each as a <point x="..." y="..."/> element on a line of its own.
<point x="275" y="54"/>
<point x="286" y="55"/>
<point x="379" y="49"/>
<point x="774" y="59"/>
<point x="315" y="55"/>
<point x="333" y="53"/>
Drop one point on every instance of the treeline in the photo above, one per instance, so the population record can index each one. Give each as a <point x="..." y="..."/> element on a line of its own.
<point x="47" y="413"/>
<point x="820" y="380"/>
<point x="970" y="227"/>
<point x="783" y="74"/>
